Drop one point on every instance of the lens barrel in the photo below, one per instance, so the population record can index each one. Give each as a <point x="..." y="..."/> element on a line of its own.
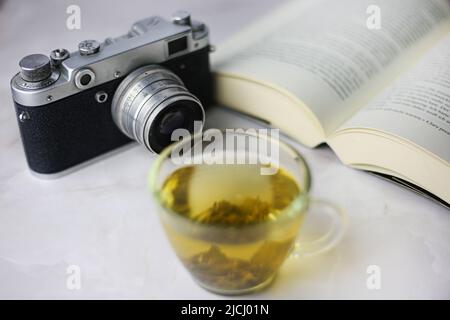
<point x="150" y="103"/>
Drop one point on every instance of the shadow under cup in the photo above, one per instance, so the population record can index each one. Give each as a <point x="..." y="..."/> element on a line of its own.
<point x="232" y="222"/>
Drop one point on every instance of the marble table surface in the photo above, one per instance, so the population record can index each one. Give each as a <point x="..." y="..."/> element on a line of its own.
<point x="102" y="219"/>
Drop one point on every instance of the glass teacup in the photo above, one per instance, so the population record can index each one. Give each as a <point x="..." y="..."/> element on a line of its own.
<point x="234" y="214"/>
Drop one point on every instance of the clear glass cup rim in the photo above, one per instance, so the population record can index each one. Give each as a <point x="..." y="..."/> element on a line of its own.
<point x="155" y="189"/>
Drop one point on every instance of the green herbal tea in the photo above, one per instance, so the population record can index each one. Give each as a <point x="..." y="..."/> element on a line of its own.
<point x="244" y="223"/>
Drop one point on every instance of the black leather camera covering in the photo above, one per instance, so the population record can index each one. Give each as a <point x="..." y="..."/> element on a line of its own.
<point x="75" y="129"/>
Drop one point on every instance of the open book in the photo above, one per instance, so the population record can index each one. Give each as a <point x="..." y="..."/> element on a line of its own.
<point x="380" y="97"/>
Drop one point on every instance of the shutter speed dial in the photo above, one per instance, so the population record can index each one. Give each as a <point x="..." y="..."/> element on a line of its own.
<point x="36" y="72"/>
<point x="35" y="67"/>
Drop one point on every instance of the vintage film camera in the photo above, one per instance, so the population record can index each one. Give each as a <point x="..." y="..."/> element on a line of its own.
<point x="72" y="107"/>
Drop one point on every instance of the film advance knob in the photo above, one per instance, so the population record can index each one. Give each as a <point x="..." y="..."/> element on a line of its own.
<point x="35" y="67"/>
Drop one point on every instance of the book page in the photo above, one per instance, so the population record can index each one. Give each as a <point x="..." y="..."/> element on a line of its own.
<point x="323" y="52"/>
<point x="417" y="106"/>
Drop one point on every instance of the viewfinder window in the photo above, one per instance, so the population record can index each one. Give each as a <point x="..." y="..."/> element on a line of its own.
<point x="178" y="45"/>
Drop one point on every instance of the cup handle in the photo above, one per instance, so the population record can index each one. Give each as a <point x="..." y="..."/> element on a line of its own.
<point x="313" y="244"/>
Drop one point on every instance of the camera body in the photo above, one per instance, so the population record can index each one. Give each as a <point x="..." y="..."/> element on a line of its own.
<point x="63" y="102"/>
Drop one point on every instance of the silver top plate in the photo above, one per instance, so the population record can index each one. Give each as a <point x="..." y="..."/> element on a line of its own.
<point x="146" y="43"/>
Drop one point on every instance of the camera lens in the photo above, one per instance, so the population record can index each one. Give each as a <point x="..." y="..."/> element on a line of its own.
<point x="171" y="121"/>
<point x="152" y="102"/>
<point x="178" y="115"/>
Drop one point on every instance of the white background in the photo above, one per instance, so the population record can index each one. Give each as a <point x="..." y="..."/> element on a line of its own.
<point x="103" y="219"/>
